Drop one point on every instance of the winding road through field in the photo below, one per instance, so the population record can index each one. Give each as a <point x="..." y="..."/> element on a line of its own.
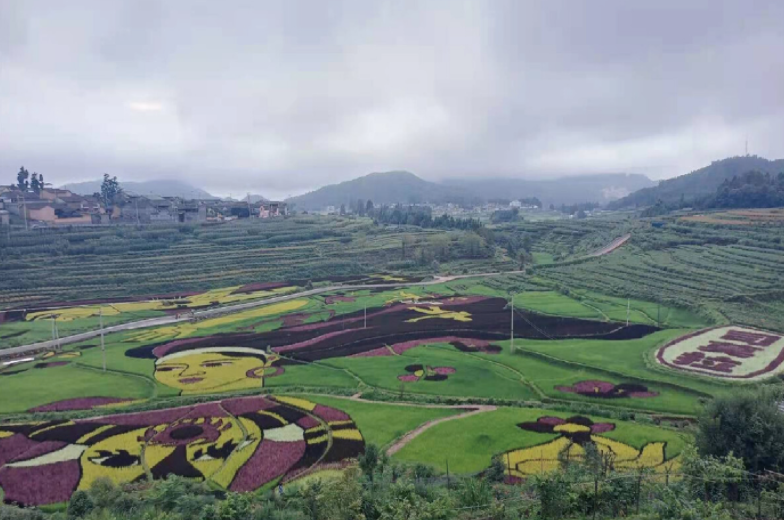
<point x="400" y="443"/>
<point x="413" y="434"/>
<point x="218" y="311"/>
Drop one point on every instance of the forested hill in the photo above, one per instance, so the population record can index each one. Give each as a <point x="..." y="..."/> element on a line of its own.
<point x="381" y="188"/>
<point x="699" y="183"/>
<point x="750" y="190"/>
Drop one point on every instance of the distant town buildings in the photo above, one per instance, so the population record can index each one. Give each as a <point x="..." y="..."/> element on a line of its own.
<point x="55" y="207"/>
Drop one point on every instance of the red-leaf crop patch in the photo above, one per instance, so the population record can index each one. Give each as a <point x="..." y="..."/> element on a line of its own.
<point x="606" y="390"/>
<point x="471" y="324"/>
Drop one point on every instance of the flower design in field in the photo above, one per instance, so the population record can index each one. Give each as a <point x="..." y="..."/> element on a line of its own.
<point x="727" y="352"/>
<point x="572" y="435"/>
<point x="206" y="364"/>
<point x="236" y="444"/>
<point x="578" y="429"/>
<point x="427" y="373"/>
<point x="436" y="312"/>
<point x="603" y="389"/>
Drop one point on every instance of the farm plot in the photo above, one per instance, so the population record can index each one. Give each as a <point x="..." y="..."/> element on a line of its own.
<point x="476" y="317"/>
<point x="730" y="352"/>
<point x="34" y="324"/>
<point x="633" y="360"/>
<point x="532" y="440"/>
<point x="381" y="423"/>
<point x="236" y="444"/>
<point x="34" y="384"/>
<point x="246" y="360"/>
<point x="568" y="381"/>
<point x="437" y="371"/>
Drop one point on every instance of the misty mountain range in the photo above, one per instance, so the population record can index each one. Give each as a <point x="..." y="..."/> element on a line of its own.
<point x="405" y="187"/>
<point x="616" y="191"/>
<point x="160" y="188"/>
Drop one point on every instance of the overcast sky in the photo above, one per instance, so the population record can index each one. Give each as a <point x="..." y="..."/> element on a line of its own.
<point x="281" y="97"/>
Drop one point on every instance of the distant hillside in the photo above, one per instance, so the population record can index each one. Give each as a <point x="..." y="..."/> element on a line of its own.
<point x="162" y="188"/>
<point x="601" y="188"/>
<point x="381" y="188"/>
<point x="700" y="183"/>
<point x="254" y="198"/>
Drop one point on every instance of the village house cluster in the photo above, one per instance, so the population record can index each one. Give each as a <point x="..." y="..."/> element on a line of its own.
<point x="53" y="207"/>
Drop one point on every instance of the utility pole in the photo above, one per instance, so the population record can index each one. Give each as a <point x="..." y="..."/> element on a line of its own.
<point x="658" y="314"/>
<point x="136" y="204"/>
<point x="250" y="213"/>
<point x="24" y="212"/>
<point x="511" y="328"/>
<point x="103" y="346"/>
<point x="55" y="334"/>
<point x="365" y="326"/>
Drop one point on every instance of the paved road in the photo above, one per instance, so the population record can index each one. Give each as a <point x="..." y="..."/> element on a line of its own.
<point x="207" y="313"/>
<point x="612" y="246"/>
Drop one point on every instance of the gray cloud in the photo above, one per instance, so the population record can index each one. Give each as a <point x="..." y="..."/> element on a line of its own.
<point x="281" y="97"/>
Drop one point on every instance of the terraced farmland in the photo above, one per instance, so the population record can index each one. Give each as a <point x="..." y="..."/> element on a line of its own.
<point x="608" y="353"/>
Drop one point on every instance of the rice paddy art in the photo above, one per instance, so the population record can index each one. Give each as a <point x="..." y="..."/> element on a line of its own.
<point x="573" y="435"/>
<point x="211" y="364"/>
<point x="164" y="303"/>
<point x="606" y="390"/>
<point x="726" y="352"/>
<point x="237" y="444"/>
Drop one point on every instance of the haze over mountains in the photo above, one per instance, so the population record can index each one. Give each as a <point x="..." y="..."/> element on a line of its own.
<point x="161" y="188"/>
<point x="401" y="186"/>
<point x="616" y="191"/>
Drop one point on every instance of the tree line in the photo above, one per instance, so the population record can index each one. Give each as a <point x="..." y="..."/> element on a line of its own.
<point x="111" y="192"/>
<point x="26" y="182"/>
<point x="420" y="216"/>
<point x="752" y="189"/>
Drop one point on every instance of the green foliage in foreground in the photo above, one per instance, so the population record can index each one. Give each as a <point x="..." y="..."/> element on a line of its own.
<point x="709" y="488"/>
<point x="749" y="424"/>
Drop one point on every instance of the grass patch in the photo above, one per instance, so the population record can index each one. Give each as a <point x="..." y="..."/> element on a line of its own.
<point x="383" y="423"/>
<point x="623" y="358"/>
<point x="473" y="377"/>
<point x="37" y="387"/>
<point x="470" y="443"/>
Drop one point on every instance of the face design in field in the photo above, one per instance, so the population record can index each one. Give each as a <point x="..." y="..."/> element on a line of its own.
<point x="118" y="458"/>
<point x="215" y="369"/>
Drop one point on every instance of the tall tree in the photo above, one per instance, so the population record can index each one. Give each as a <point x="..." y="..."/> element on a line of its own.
<point x="748" y="424"/>
<point x="35" y="183"/>
<point x="369" y="207"/>
<point x="21" y="179"/>
<point x="342" y="209"/>
<point x="110" y="190"/>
